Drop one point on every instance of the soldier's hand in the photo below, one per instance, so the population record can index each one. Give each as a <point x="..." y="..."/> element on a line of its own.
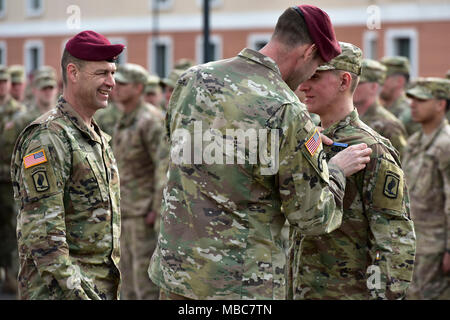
<point x="352" y="159"/>
<point x="446" y="263"/>
<point x="150" y="218"/>
<point x="325" y="139"/>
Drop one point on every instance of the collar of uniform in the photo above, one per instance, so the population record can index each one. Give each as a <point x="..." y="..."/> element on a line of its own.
<point x="260" y="58"/>
<point x="68" y="111"/>
<point x="351" y="117"/>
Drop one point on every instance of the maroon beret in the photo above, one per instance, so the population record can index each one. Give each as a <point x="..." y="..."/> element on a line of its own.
<point x="92" y="46"/>
<point x="320" y="30"/>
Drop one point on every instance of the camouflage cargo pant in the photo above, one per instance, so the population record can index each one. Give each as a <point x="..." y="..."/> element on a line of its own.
<point x="137" y="243"/>
<point x="429" y="281"/>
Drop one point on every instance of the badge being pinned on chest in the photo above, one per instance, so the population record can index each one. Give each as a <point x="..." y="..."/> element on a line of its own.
<point x="391" y="184"/>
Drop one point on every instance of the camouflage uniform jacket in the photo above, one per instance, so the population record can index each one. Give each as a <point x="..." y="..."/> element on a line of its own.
<point x="68" y="226"/>
<point x="107" y="118"/>
<point x="9" y="112"/>
<point x="386" y="124"/>
<point x="141" y="155"/>
<point x="376" y="229"/>
<point x="427" y="169"/>
<point x="221" y="223"/>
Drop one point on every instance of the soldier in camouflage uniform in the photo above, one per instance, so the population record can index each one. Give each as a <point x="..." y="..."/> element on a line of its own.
<point x="141" y="151"/>
<point x="66" y="184"/>
<point x="18" y="82"/>
<point x="371" y="255"/>
<point x="427" y="169"/>
<point x="10" y="110"/>
<point x="153" y="93"/>
<point x="370" y="110"/>
<point x="221" y="218"/>
<point x="393" y="91"/>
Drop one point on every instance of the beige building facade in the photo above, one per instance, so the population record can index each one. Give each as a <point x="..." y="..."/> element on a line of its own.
<point x="159" y="32"/>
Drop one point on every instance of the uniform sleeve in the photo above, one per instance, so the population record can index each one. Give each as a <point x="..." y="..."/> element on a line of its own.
<point x="311" y="194"/>
<point x="41" y="167"/>
<point x="392" y="241"/>
<point x="398" y="138"/>
<point x="157" y="147"/>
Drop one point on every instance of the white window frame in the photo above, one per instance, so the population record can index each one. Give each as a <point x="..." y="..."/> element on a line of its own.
<point x="392" y="34"/>
<point x="368" y="37"/>
<point x="5" y="6"/>
<point x="31" y="12"/>
<point x="123" y="57"/>
<point x="29" y="44"/>
<point x="3" y="53"/>
<point x="212" y="3"/>
<point x="152" y="42"/>
<point x="257" y="37"/>
<point x="216" y="40"/>
<point x="160" y="6"/>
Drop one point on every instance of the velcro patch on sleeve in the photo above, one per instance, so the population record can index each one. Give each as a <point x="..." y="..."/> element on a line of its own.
<point x="313" y="143"/>
<point x="34" y="159"/>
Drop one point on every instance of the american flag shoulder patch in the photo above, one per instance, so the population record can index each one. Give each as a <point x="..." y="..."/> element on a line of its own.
<point x="313" y="143"/>
<point x="35" y="158"/>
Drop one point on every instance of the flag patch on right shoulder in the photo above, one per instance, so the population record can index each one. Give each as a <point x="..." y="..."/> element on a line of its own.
<point x="34" y="159"/>
<point x="313" y="143"/>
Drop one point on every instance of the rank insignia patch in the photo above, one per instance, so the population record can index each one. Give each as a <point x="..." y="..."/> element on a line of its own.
<point x="391" y="184"/>
<point x="313" y="143"/>
<point x="40" y="181"/>
<point x="35" y="158"/>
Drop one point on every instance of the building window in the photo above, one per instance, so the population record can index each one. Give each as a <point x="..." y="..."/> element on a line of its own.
<point x="123" y="57"/>
<point x="212" y="3"/>
<point x="160" y="4"/>
<point x="34" y="7"/>
<point x="2" y="8"/>
<point x="370" y="43"/>
<point x="3" y="53"/>
<point x="403" y="42"/>
<point x="34" y="55"/>
<point x="215" y="47"/>
<point x="161" y="54"/>
<point x="258" y="40"/>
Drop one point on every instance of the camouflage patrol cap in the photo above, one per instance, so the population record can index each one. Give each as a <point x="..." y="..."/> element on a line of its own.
<point x="430" y="88"/>
<point x="44" y="70"/>
<point x="172" y="79"/>
<point x="17" y="73"/>
<point x="372" y="71"/>
<point x="43" y="80"/>
<point x="131" y="73"/>
<point x="153" y="84"/>
<point x="349" y="60"/>
<point x="396" y="65"/>
<point x="4" y="74"/>
<point x="184" y="64"/>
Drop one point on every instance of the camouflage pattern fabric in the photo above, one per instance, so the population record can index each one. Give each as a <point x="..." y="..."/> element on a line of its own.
<point x="376" y="230"/>
<point x="141" y="152"/>
<point x="402" y="110"/>
<point x="427" y="168"/>
<point x="386" y="124"/>
<point x="221" y="223"/>
<point x="108" y="118"/>
<point x="66" y="185"/>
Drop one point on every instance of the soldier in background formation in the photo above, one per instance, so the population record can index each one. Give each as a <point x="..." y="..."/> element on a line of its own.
<point x="18" y="82"/>
<point x="170" y="82"/>
<point x="393" y="91"/>
<point x="427" y="168"/>
<point x="376" y="238"/>
<point x="10" y="110"/>
<point x="66" y="185"/>
<point x="153" y="92"/>
<point x="371" y="112"/>
<point x="141" y="152"/>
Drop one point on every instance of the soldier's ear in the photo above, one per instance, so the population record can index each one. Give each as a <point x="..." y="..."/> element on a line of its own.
<point x="72" y="72"/>
<point x="346" y="81"/>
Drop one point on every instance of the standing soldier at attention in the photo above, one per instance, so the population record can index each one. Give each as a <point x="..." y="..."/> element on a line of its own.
<point x="427" y="169"/>
<point x="10" y="110"/>
<point x="66" y="185"/>
<point x="393" y="91"/>
<point x="141" y="150"/>
<point x="371" y="112"/>
<point x="371" y="255"/>
<point x="222" y="211"/>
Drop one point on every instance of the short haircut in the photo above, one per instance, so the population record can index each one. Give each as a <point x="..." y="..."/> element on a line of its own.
<point x="291" y="29"/>
<point x="67" y="58"/>
<point x="354" y="81"/>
